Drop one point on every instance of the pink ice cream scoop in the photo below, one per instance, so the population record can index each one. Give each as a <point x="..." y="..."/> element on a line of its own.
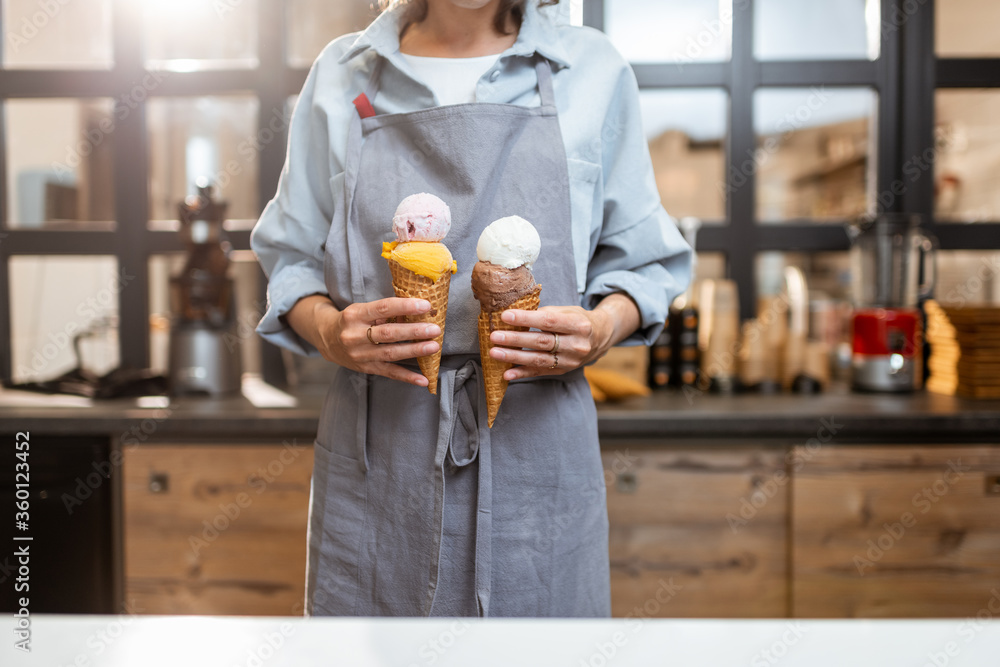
<point x="421" y="217"/>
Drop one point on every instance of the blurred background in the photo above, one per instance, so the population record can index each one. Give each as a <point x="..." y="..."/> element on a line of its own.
<point x="773" y="127"/>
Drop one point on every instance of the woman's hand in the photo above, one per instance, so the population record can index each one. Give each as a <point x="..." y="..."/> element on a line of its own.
<point x="342" y="336"/>
<point x="583" y="336"/>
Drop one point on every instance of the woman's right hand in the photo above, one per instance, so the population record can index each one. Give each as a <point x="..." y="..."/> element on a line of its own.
<point x="341" y="336"/>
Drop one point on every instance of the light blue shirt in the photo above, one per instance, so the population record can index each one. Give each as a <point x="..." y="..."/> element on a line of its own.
<point x="623" y="239"/>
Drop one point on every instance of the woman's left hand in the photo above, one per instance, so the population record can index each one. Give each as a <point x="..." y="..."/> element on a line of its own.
<point x="569" y="337"/>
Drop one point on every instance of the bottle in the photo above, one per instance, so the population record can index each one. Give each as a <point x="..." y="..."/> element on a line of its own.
<point x="687" y="358"/>
<point x="685" y="319"/>
<point x="719" y="337"/>
<point x="661" y="358"/>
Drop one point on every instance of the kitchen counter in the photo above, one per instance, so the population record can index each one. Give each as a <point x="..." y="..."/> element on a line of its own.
<point x="679" y="470"/>
<point x="279" y="642"/>
<point x="665" y="414"/>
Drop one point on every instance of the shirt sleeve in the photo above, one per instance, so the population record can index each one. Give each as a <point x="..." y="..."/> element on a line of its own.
<point x="288" y="240"/>
<point x="640" y="252"/>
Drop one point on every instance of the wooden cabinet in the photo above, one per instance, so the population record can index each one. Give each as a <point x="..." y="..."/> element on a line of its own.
<point x="699" y="529"/>
<point x="697" y="532"/>
<point x="834" y="531"/>
<point x="895" y="531"/>
<point x="216" y="529"/>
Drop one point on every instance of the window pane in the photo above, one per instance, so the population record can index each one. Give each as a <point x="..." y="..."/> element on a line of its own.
<point x="968" y="157"/>
<point x="53" y="299"/>
<point x="687" y="131"/>
<point x="676" y="31"/>
<point x="797" y="30"/>
<point x="710" y="266"/>
<point x="185" y="35"/>
<point x="312" y="24"/>
<point x="968" y="278"/>
<point x="59" y="163"/>
<point x="968" y="28"/>
<point x="215" y="138"/>
<point x="57" y="34"/>
<point x="161" y="268"/>
<point x="827" y="274"/>
<point x="815" y="155"/>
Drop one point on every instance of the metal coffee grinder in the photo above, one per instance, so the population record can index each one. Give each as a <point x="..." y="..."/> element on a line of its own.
<point x="892" y="268"/>
<point x="204" y="347"/>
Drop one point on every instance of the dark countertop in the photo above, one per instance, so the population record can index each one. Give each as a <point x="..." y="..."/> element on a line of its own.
<point x="851" y="417"/>
<point x="872" y="418"/>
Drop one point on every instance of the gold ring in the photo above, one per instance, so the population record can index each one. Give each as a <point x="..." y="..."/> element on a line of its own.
<point x="555" y="362"/>
<point x="555" y="348"/>
<point x="370" y="339"/>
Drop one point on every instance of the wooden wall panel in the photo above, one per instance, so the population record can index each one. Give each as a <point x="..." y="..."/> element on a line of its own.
<point x="711" y="521"/>
<point x="226" y="536"/>
<point x="895" y="531"/>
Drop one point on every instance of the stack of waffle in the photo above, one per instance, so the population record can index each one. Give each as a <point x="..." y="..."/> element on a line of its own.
<point x="965" y="350"/>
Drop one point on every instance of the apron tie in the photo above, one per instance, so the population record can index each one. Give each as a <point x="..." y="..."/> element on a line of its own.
<point x="463" y="406"/>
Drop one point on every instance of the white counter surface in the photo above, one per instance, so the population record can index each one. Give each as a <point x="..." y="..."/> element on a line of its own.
<point x="142" y="641"/>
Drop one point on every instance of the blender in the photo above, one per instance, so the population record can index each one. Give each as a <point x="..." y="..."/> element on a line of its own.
<point x="204" y="346"/>
<point x="892" y="268"/>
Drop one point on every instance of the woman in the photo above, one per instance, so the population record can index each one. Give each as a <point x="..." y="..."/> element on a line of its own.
<point x="500" y="109"/>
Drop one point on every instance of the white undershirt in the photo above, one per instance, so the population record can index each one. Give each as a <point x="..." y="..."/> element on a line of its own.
<point x="452" y="80"/>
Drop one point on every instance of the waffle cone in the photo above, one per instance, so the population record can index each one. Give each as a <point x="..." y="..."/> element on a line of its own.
<point x="493" y="370"/>
<point x="409" y="285"/>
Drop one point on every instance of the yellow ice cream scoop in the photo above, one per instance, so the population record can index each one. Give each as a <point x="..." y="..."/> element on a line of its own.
<point x="428" y="259"/>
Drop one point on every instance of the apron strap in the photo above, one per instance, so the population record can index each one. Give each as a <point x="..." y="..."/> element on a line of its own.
<point x="463" y="401"/>
<point x="544" y="70"/>
<point x="375" y="81"/>
<point x="365" y="101"/>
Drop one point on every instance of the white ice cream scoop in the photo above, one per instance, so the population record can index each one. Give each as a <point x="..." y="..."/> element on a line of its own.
<point x="509" y="242"/>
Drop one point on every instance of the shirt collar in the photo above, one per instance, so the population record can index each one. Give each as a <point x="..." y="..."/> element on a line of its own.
<point x="538" y="34"/>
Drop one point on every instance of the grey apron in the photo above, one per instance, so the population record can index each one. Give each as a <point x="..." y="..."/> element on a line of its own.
<point x="417" y="507"/>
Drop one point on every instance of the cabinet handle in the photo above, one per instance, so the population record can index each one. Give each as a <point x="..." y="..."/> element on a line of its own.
<point x="626" y="482"/>
<point x="159" y="482"/>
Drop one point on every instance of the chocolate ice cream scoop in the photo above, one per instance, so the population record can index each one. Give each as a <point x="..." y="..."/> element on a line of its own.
<point x="496" y="288"/>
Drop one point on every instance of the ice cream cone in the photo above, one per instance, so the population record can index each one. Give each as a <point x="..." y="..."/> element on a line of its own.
<point x="493" y="370"/>
<point x="409" y="285"/>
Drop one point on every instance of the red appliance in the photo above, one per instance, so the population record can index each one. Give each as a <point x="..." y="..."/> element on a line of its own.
<point x="892" y="268"/>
